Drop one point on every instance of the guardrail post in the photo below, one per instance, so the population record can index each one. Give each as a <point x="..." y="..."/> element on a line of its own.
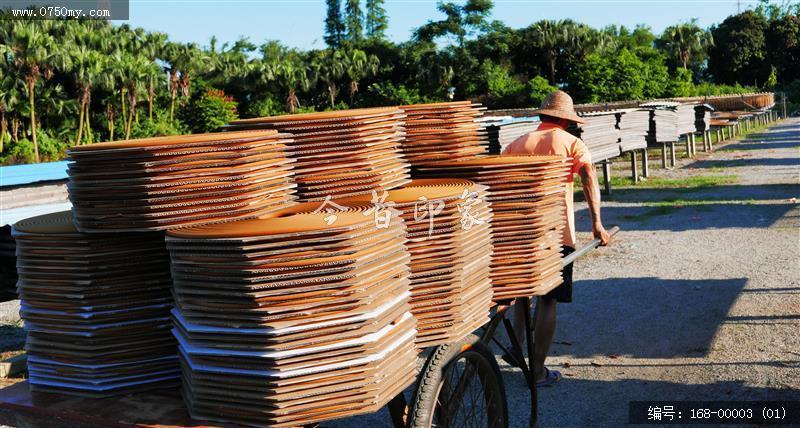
<point x="645" y="164"/>
<point x="672" y="153"/>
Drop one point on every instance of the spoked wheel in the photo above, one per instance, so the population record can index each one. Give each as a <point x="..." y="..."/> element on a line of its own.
<point x="460" y="387"/>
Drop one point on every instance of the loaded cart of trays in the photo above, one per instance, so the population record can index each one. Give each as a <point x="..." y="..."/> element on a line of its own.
<point x="289" y="271"/>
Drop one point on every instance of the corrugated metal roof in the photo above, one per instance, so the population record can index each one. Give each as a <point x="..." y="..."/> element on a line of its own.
<point x="27" y="174"/>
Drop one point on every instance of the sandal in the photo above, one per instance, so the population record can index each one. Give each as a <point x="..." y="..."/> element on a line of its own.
<point x="550" y="378"/>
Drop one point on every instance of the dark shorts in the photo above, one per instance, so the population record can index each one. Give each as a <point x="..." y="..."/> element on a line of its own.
<point x="563" y="293"/>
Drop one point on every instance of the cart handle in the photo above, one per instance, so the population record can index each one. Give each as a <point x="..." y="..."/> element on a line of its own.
<point x="566" y="261"/>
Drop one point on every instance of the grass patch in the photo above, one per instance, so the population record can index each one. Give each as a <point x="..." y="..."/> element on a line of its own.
<point x="694" y="182"/>
<point x="670" y="206"/>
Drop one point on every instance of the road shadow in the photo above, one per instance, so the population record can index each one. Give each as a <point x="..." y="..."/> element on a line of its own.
<point x="689" y="312"/>
<point x="680" y="215"/>
<point x="744" y="162"/>
<point x="12" y="338"/>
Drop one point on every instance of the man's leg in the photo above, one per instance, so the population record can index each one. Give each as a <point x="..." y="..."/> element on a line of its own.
<point x="545" y="329"/>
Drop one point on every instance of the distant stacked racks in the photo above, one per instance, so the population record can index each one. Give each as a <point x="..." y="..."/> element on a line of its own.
<point x="687" y="117"/>
<point x="450" y="245"/>
<point x="501" y="135"/>
<point x="342" y="153"/>
<point x="96" y="308"/>
<point x="168" y="182"/>
<point x="702" y="120"/>
<point x="600" y="134"/>
<point x="760" y="101"/>
<point x="634" y="125"/>
<point x="663" y="123"/>
<point x="527" y="201"/>
<point x="294" y="318"/>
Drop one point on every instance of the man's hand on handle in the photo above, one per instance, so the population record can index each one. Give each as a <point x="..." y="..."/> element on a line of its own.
<point x="600" y="233"/>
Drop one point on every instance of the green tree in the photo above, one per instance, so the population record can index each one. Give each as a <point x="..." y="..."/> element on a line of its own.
<point x="376" y="20"/>
<point x="783" y="47"/>
<point x="359" y="65"/>
<point x="460" y="22"/>
<point x="9" y="99"/>
<point x="685" y="42"/>
<point x="34" y="54"/>
<point x="329" y="66"/>
<point x="354" y="21"/>
<point x="739" y="51"/>
<point x="334" y="24"/>
<point x="210" y="111"/>
<point x="550" y="37"/>
<point x="538" y="89"/>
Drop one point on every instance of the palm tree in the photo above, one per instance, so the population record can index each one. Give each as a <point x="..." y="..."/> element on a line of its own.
<point x="360" y="65"/>
<point x="136" y="70"/>
<point x="329" y="65"/>
<point x="684" y="41"/>
<point x="294" y="75"/>
<point x="34" y="53"/>
<point x="153" y="45"/>
<point x="88" y="68"/>
<point x="551" y="37"/>
<point x="9" y="98"/>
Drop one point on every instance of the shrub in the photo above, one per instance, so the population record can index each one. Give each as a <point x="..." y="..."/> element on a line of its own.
<point x="387" y="93"/>
<point x="209" y="111"/>
<point x="538" y="89"/>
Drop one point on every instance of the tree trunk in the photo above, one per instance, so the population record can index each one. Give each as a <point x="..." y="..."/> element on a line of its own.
<point x="685" y="58"/>
<point x="15" y="129"/>
<point x="80" y="122"/>
<point x="87" y="118"/>
<point x="122" y="101"/>
<point x="551" y="61"/>
<point x="110" y="114"/>
<point x="353" y="90"/>
<point x="332" y="92"/>
<point x="32" y="101"/>
<point x="130" y="115"/>
<point x="3" y="128"/>
<point x="291" y="101"/>
<point x="151" y="92"/>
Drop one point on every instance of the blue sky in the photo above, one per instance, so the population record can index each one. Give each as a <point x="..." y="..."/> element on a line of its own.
<point x="298" y="23"/>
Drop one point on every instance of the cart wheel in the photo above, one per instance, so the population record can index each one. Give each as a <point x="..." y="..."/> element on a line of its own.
<point x="460" y="386"/>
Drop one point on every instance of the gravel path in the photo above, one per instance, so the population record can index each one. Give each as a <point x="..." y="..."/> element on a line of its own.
<point x="698" y="301"/>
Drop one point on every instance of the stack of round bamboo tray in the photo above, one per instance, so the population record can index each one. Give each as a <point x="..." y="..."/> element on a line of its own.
<point x="96" y="308"/>
<point x="527" y="201"/>
<point x="450" y="245"/>
<point x="168" y="182"/>
<point x="294" y="318"/>
<point x="342" y="153"/>
<point x="443" y="131"/>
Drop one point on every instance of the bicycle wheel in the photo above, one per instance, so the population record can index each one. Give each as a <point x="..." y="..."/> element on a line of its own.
<point x="460" y="386"/>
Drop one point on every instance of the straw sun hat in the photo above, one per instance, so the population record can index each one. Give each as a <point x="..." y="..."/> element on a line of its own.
<point x="559" y="104"/>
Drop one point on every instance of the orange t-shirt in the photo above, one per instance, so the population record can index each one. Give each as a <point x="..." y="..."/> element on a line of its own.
<point x="550" y="139"/>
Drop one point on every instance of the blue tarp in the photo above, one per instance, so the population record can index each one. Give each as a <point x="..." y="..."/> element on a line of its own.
<point x="26" y="174"/>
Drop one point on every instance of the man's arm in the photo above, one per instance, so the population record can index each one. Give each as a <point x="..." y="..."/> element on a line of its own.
<point x="591" y="191"/>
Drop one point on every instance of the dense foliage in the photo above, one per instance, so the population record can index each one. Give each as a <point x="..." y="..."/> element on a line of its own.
<point x="81" y="81"/>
